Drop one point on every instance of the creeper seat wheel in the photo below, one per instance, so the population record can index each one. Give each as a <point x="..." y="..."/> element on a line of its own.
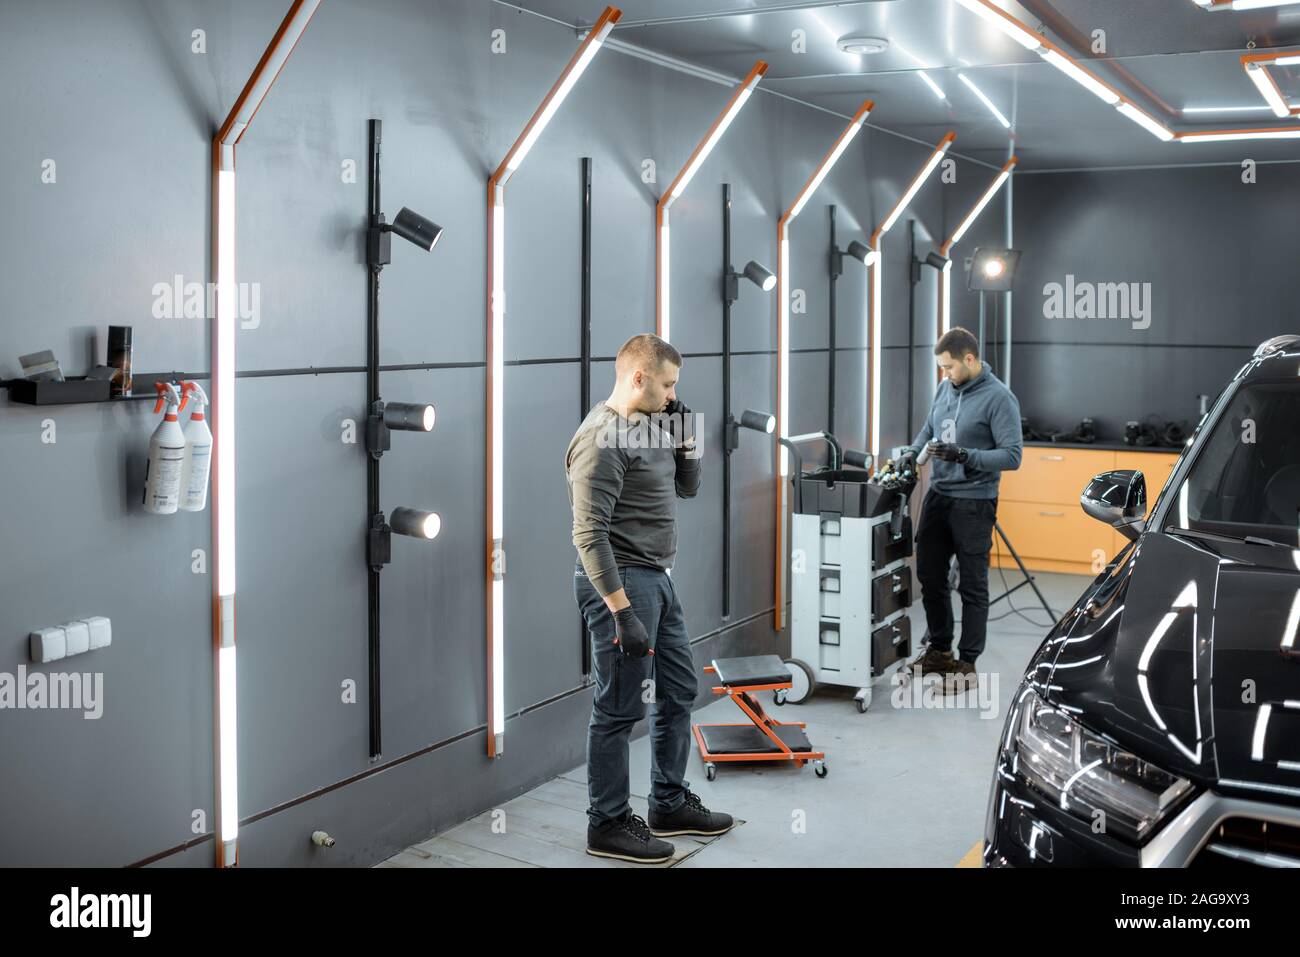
<point x="802" y="682"/>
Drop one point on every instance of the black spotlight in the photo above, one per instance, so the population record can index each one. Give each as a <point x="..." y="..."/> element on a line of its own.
<point x="992" y="269"/>
<point x="414" y="228"/>
<point x="760" y="276"/>
<point x="415" y="523"/>
<point x="764" y="422"/>
<point x="409" y="416"/>
<point x="935" y="261"/>
<point x="385" y="417"/>
<point x="861" y="252"/>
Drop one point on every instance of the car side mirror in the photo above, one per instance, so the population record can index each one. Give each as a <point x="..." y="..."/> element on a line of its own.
<point x="1118" y="498"/>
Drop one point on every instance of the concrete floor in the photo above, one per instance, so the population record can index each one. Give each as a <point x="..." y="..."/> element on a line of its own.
<point x="907" y="786"/>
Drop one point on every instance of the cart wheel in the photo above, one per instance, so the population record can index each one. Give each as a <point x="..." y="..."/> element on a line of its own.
<point x="778" y="697"/>
<point x="710" y="771"/>
<point x="819" y="768"/>
<point x="863" y="699"/>
<point x="802" y="682"/>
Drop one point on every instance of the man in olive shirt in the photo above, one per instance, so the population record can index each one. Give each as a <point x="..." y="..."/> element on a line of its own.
<point x="627" y="465"/>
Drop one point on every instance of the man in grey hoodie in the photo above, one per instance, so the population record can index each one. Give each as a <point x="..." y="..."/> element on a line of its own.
<point x="973" y="433"/>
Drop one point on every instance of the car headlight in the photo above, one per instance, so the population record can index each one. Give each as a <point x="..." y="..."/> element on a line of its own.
<point x="1088" y="776"/>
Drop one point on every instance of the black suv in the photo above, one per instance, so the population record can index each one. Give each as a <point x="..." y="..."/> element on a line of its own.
<point x="1158" y="724"/>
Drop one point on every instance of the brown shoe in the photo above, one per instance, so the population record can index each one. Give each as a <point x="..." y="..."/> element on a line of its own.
<point x="933" y="662"/>
<point x="963" y="677"/>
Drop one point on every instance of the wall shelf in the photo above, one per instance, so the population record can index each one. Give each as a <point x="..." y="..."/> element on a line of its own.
<point x="80" y="390"/>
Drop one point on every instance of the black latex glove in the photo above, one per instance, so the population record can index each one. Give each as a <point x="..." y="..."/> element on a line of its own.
<point x="907" y="461"/>
<point x="630" y="635"/>
<point x="949" y="452"/>
<point x="680" y="414"/>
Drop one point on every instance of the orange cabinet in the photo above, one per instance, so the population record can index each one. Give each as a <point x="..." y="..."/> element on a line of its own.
<point x="1053" y="475"/>
<point x="1053" y="533"/>
<point x="1038" y="506"/>
<point x="1156" y="467"/>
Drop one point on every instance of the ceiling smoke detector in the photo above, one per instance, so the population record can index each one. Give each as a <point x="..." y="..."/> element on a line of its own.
<point x="863" y="46"/>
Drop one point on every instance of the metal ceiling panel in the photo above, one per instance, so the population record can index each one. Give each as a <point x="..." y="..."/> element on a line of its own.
<point x="1168" y="55"/>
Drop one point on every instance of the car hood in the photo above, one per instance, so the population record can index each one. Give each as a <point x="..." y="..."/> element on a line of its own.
<point x="1188" y="654"/>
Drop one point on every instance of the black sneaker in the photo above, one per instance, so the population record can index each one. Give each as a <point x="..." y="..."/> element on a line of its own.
<point x="961" y="679"/>
<point x="691" y="818"/>
<point x="627" y="839"/>
<point x="933" y="662"/>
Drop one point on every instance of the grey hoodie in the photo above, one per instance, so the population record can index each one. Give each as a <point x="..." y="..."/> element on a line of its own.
<point x="983" y="417"/>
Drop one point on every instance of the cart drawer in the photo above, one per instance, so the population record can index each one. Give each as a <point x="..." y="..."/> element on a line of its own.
<point x="890" y="592"/>
<point x="885" y="549"/>
<point x="830" y="593"/>
<point x="830" y="528"/>
<point x="889" y="643"/>
<point x="829" y="632"/>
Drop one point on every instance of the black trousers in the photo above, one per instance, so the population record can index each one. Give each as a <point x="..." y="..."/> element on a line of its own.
<point x="962" y="527"/>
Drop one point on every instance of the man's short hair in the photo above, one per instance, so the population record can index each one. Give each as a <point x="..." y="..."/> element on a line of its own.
<point x="646" y="352"/>
<point x="957" y="342"/>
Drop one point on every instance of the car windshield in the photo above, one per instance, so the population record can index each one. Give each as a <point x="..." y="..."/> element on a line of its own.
<point x="1245" y="480"/>
<point x="1246" y="477"/>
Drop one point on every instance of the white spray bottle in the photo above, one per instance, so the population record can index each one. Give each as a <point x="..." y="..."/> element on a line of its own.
<point x="198" y="451"/>
<point x="162" y="483"/>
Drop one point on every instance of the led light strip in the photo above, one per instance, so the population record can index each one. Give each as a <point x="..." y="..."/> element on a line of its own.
<point x="496" y="298"/>
<point x="801" y="198"/>
<point x="1218" y="136"/>
<point x="1217" y="5"/>
<point x="1256" y="66"/>
<point x="934" y="87"/>
<point x="876" y="267"/>
<point x="222" y="409"/>
<point x="738" y="98"/>
<point x="945" y="277"/>
<point x="988" y="104"/>
<point x="1061" y="59"/>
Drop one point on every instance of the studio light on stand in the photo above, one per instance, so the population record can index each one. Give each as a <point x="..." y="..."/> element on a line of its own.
<point x="993" y="269"/>
<point x="942" y="260"/>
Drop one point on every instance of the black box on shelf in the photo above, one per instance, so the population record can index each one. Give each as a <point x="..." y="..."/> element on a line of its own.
<point x="49" y="392"/>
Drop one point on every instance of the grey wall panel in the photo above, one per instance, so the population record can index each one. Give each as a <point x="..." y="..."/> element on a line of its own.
<point x="1057" y="387"/>
<point x="301" y="599"/>
<point x="850" y="398"/>
<point x="697" y="574"/>
<point x="383" y="813"/>
<point x="753" y="493"/>
<point x="114" y="788"/>
<point x="118" y="215"/>
<point x="1215" y="252"/>
<point x="433" y="594"/>
<point x="542" y="650"/>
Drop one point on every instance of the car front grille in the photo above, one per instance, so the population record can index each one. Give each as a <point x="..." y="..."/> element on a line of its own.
<point x="1246" y="842"/>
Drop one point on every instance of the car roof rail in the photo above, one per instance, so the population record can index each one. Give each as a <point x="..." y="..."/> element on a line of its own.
<point x="1278" y="344"/>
